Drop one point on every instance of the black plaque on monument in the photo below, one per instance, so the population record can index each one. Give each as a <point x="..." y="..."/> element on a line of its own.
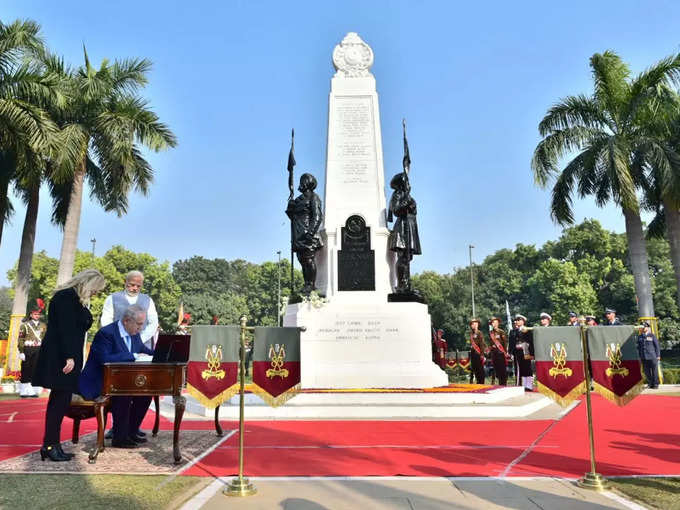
<point x="356" y="260"/>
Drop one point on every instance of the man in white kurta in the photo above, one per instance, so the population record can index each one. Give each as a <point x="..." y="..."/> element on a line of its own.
<point x="116" y="304"/>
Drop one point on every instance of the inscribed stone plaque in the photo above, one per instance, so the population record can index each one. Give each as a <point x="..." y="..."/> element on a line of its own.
<point x="356" y="260"/>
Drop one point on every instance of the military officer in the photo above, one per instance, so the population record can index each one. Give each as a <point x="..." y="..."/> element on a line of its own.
<point x="498" y="349"/>
<point x="522" y="348"/>
<point x="573" y="319"/>
<point x="546" y="319"/>
<point x="590" y="320"/>
<point x="650" y="354"/>
<point x="31" y="333"/>
<point x="612" y="319"/>
<point x="477" y="348"/>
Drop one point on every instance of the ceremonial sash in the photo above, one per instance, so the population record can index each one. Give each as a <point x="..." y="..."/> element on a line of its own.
<point x="276" y="364"/>
<point x="498" y="345"/>
<point x="212" y="371"/>
<point x="615" y="363"/>
<point x="476" y="347"/>
<point x="559" y="363"/>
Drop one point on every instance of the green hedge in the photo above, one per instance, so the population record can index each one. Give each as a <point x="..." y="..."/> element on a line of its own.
<point x="671" y="375"/>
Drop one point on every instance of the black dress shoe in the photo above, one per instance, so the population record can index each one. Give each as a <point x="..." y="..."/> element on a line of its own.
<point x="138" y="440"/>
<point x="140" y="433"/>
<point x="52" y="453"/>
<point x="123" y="443"/>
<point x="69" y="456"/>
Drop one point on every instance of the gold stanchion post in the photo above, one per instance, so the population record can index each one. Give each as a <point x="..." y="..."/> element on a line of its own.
<point x="591" y="480"/>
<point x="241" y="486"/>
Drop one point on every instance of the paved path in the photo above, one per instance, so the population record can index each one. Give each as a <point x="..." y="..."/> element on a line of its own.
<point x="402" y="493"/>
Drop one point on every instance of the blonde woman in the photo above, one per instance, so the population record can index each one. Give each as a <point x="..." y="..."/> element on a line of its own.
<point x="61" y="353"/>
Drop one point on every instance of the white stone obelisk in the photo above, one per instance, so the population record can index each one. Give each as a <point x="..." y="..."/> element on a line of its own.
<point x="357" y="339"/>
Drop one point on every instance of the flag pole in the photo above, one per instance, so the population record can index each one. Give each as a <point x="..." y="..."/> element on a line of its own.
<point x="291" y="184"/>
<point x="240" y="486"/>
<point x="591" y="480"/>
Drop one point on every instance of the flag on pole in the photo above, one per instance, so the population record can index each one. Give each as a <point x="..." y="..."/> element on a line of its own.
<point x="615" y="363"/>
<point x="407" y="154"/>
<point x="559" y="363"/>
<point x="291" y="164"/>
<point x="212" y="371"/>
<point x="276" y="364"/>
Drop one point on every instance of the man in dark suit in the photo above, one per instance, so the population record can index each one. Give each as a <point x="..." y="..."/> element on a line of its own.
<point x="119" y="341"/>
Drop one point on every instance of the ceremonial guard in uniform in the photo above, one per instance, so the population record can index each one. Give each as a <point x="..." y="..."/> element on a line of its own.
<point x="183" y="327"/>
<point x="498" y="349"/>
<point x="573" y="319"/>
<point x="650" y="354"/>
<point x="612" y="319"/>
<point x="546" y="319"/>
<point x="31" y="333"/>
<point x="477" y="349"/>
<point x="522" y="348"/>
<point x="590" y="320"/>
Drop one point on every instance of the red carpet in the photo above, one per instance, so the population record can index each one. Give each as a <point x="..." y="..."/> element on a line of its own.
<point x="641" y="438"/>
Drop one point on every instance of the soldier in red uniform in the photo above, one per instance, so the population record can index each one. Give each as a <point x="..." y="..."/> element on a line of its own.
<point x="477" y="349"/>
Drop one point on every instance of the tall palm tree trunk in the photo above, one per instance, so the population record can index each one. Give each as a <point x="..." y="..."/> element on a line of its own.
<point x="23" y="280"/>
<point x="672" y="215"/>
<point x="637" y="252"/>
<point x="69" y="243"/>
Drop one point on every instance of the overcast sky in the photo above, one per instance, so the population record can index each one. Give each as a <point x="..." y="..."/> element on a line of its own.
<point x="232" y="77"/>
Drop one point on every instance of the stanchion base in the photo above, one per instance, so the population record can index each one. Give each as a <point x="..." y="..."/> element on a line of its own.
<point x="593" y="481"/>
<point x="239" y="487"/>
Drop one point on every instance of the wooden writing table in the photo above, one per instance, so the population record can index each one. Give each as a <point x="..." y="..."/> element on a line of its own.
<point x="145" y="379"/>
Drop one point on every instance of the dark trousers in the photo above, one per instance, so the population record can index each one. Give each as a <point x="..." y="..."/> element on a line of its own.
<point x="651" y="367"/>
<point x="476" y="367"/>
<point x="128" y="413"/>
<point x="57" y="405"/>
<point x="498" y="359"/>
<point x="28" y="365"/>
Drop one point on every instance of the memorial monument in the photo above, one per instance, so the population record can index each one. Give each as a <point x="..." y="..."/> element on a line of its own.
<point x="357" y="338"/>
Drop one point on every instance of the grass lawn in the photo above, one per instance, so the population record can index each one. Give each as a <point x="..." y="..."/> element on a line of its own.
<point x="9" y="396"/>
<point x="113" y="492"/>
<point x="654" y="492"/>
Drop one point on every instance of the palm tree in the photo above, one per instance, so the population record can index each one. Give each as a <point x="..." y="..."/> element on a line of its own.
<point x="611" y="133"/>
<point x="24" y="125"/>
<point x="108" y="121"/>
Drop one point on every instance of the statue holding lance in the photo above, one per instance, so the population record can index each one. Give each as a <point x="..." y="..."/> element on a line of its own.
<point x="306" y="216"/>
<point x="404" y="239"/>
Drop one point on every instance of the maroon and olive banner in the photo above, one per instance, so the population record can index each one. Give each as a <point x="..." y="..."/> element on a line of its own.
<point x="463" y="358"/>
<point x="559" y="363"/>
<point x="213" y="364"/>
<point x="451" y="360"/>
<point x="615" y="363"/>
<point x="276" y="364"/>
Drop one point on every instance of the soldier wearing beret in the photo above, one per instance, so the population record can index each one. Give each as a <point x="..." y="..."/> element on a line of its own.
<point x="498" y="349"/>
<point x="612" y="319"/>
<point x="477" y="349"/>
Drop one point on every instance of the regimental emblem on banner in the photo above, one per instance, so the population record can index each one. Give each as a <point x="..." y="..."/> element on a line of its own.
<point x="615" y="360"/>
<point x="558" y="353"/>
<point x="277" y="353"/>
<point x="213" y="354"/>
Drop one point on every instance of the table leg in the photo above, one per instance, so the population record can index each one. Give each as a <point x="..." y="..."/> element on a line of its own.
<point x="100" y="411"/>
<point x="180" y="404"/>
<point x="218" y="427"/>
<point x="157" y="422"/>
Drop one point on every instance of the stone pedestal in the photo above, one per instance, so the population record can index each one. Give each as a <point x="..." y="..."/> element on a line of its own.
<point x="357" y="339"/>
<point x="365" y="345"/>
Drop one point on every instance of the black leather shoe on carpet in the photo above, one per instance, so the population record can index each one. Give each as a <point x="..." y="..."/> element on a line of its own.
<point x="138" y="440"/>
<point x="123" y="443"/>
<point x="140" y="433"/>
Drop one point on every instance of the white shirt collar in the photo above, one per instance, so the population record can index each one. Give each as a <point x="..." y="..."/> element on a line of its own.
<point x="122" y="331"/>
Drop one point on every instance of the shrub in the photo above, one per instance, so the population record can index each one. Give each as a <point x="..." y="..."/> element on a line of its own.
<point x="671" y="375"/>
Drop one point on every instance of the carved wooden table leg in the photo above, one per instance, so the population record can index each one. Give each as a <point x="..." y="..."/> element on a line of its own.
<point x="180" y="404"/>
<point x="100" y="411"/>
<point x="157" y="422"/>
<point x="218" y="427"/>
<point x="76" y="430"/>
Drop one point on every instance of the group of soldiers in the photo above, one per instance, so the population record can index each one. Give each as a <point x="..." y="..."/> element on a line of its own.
<point x="516" y="348"/>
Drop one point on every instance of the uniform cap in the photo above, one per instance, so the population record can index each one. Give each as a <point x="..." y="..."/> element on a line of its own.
<point x="573" y="314"/>
<point x="493" y="318"/>
<point x="609" y="310"/>
<point x="474" y="319"/>
<point x="520" y="317"/>
<point x="546" y="316"/>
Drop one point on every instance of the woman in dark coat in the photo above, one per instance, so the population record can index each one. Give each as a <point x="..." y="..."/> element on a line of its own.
<point x="61" y="354"/>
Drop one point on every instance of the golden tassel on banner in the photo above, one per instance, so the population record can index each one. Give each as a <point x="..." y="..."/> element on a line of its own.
<point x="592" y="480"/>
<point x="241" y="486"/>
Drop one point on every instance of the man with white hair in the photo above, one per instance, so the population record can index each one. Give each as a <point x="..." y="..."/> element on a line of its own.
<point x="116" y="304"/>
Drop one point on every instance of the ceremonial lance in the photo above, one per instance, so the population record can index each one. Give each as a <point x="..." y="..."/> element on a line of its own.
<point x="406" y="163"/>
<point x="291" y="168"/>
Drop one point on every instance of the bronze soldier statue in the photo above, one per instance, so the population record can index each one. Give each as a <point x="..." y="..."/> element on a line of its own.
<point x="306" y="217"/>
<point x="404" y="239"/>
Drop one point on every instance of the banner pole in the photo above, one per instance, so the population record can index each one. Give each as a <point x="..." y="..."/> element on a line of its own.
<point x="241" y="486"/>
<point x="591" y="480"/>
